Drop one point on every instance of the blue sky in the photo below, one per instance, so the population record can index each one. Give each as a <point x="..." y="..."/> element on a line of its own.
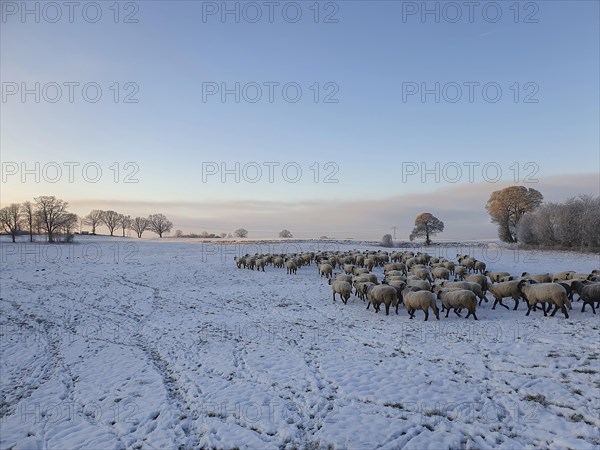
<point x="368" y="134"/>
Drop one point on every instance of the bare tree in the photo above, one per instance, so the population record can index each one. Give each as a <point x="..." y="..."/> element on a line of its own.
<point x="139" y="225"/>
<point x="223" y="235"/>
<point x="159" y="224"/>
<point x="507" y="206"/>
<point x="38" y="222"/>
<point x="93" y="219"/>
<point x="285" y="234"/>
<point x="387" y="241"/>
<point x="125" y="223"/>
<point x="241" y="233"/>
<point x="112" y="220"/>
<point x="11" y="219"/>
<point x="69" y="223"/>
<point x="426" y="225"/>
<point x="178" y="233"/>
<point x="28" y="213"/>
<point x="52" y="213"/>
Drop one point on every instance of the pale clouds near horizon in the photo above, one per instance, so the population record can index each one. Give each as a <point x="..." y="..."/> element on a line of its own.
<point x="461" y="207"/>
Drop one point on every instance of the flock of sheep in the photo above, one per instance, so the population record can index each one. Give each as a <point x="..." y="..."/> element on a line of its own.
<point x="420" y="280"/>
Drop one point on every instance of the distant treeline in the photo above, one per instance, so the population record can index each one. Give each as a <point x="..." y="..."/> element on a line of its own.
<point x="573" y="224"/>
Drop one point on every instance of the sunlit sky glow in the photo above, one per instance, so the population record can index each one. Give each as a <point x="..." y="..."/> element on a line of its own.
<point x="369" y="135"/>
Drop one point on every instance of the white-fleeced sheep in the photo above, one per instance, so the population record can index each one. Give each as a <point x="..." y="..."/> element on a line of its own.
<point x="343" y="288"/>
<point x="325" y="270"/>
<point x="450" y="266"/>
<point x="376" y="295"/>
<point x="540" y="278"/>
<point x="261" y="263"/>
<point x="396" y="278"/>
<point x="240" y="261"/>
<point x="564" y="275"/>
<point x="470" y="285"/>
<point x="359" y="270"/>
<point x="479" y="266"/>
<point x="479" y="279"/>
<point x="361" y="288"/>
<point x="505" y="289"/>
<point x="441" y="273"/>
<point x="458" y="298"/>
<point x="551" y="293"/>
<point x="423" y="285"/>
<point x="495" y="276"/>
<point x="468" y="262"/>
<point x="422" y="300"/>
<point x="393" y="273"/>
<point x="460" y="272"/>
<point x="506" y="278"/>
<point x="348" y="268"/>
<point x="423" y="274"/>
<point x="292" y="267"/>
<point x="343" y="277"/>
<point x="396" y="284"/>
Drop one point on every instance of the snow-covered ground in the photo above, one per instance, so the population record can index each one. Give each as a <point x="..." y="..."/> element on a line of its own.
<point x="120" y="343"/>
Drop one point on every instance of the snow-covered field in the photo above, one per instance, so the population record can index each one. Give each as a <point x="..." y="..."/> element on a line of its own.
<point x="122" y="343"/>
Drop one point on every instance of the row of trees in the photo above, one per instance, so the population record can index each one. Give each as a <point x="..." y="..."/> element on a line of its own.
<point x="158" y="223"/>
<point x="574" y="223"/>
<point x="46" y="214"/>
<point x="50" y="215"/>
<point x="522" y="217"/>
<point x="239" y="233"/>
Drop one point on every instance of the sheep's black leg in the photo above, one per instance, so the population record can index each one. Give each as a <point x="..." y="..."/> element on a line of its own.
<point x="387" y="309"/>
<point x="502" y="304"/>
<point x="544" y="309"/>
<point x="516" y="305"/>
<point x="555" y="309"/>
<point x="564" y="310"/>
<point x="457" y="312"/>
<point x="528" y="309"/>
<point x="593" y="309"/>
<point x="427" y="314"/>
<point x="369" y="304"/>
<point x="447" y="312"/>
<point x="495" y="303"/>
<point x="334" y="296"/>
<point x="474" y="315"/>
<point x="583" y="307"/>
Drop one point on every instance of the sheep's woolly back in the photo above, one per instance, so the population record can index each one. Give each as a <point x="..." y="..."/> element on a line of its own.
<point x="458" y="298"/>
<point x="545" y="292"/>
